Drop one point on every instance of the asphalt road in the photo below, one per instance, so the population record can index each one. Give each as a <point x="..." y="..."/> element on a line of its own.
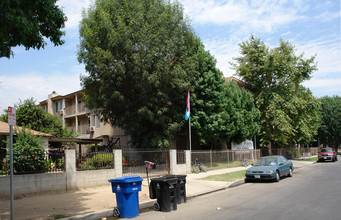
<point x="314" y="192"/>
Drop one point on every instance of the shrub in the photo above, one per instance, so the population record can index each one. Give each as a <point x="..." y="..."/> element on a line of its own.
<point x="28" y="154"/>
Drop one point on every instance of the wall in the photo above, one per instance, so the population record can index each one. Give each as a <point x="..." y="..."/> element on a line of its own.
<point x="72" y="179"/>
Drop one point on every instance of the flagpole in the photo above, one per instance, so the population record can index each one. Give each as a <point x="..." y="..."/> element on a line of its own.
<point x="189" y="129"/>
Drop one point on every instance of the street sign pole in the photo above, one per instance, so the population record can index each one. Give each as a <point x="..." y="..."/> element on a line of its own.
<point x="11" y="170"/>
<point x="11" y="122"/>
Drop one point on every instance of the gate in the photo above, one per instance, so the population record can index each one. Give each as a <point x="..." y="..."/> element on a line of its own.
<point x="133" y="162"/>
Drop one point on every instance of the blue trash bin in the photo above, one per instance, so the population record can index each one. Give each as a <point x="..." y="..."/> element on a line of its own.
<point x="127" y="198"/>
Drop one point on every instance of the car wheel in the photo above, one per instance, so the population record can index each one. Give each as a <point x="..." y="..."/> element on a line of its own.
<point x="246" y="180"/>
<point x="333" y="160"/>
<point x="277" y="177"/>
<point x="290" y="172"/>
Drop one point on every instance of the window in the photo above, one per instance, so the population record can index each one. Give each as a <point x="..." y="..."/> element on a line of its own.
<point x="98" y="122"/>
<point x="46" y="108"/>
<point x="92" y="120"/>
<point x="59" y="106"/>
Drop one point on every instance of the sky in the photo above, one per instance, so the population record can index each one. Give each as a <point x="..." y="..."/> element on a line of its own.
<point x="312" y="26"/>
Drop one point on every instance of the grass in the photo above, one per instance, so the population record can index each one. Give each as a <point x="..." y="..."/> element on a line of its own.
<point x="216" y="166"/>
<point x="60" y="216"/>
<point x="310" y="159"/>
<point x="227" y="177"/>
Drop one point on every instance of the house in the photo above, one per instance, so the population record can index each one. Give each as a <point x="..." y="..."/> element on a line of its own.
<point x="240" y="83"/>
<point x="75" y="115"/>
<point x="4" y="136"/>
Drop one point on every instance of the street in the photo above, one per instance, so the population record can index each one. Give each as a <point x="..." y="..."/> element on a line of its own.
<point x="314" y="192"/>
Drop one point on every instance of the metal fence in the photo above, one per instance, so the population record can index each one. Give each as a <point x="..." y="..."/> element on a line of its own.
<point x="34" y="162"/>
<point x="180" y="157"/>
<point x="134" y="162"/>
<point x="291" y="153"/>
<point x="95" y="160"/>
<point x="224" y="158"/>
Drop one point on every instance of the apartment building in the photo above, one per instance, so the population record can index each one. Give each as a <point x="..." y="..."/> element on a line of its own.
<point x="71" y="110"/>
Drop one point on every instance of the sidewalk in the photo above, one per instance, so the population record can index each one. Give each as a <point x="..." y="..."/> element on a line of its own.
<point x="98" y="202"/>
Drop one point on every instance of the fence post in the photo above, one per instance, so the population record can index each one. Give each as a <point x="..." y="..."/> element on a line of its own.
<point x="173" y="162"/>
<point x="188" y="161"/>
<point x="118" y="163"/>
<point x="211" y="158"/>
<point x="70" y="168"/>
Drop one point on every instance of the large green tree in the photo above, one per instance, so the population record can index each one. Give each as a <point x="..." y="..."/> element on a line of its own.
<point x="274" y="76"/>
<point x="28" y="23"/>
<point x="330" y="130"/>
<point x="221" y="111"/>
<point x="140" y="58"/>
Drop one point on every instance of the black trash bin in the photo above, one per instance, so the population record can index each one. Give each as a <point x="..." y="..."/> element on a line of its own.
<point x="180" y="187"/>
<point x="164" y="190"/>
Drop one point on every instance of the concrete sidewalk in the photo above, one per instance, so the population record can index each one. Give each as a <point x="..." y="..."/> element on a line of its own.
<point x="98" y="202"/>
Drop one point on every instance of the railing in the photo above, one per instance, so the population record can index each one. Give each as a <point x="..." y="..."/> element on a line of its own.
<point x="34" y="162"/>
<point x="224" y="158"/>
<point x="70" y="110"/>
<point x="95" y="161"/>
<point x="133" y="162"/>
<point x="291" y="153"/>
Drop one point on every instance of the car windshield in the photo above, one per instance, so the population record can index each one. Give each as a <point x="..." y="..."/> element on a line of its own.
<point x="326" y="150"/>
<point x="266" y="162"/>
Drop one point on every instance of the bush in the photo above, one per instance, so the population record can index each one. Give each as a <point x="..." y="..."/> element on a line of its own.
<point x="28" y="154"/>
<point x="103" y="161"/>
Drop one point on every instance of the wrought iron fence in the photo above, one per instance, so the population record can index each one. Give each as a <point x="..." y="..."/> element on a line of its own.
<point x="224" y="158"/>
<point x="134" y="162"/>
<point x="34" y="162"/>
<point x="95" y="160"/>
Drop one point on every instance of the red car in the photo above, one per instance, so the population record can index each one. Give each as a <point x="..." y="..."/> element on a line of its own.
<point x="327" y="154"/>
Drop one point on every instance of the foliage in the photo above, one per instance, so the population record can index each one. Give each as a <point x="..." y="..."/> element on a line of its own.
<point x="289" y="112"/>
<point x="221" y="111"/>
<point x="33" y="116"/>
<point x="28" y="154"/>
<point x="140" y="59"/>
<point x="103" y="161"/>
<point x="28" y="22"/>
<point x="330" y="130"/>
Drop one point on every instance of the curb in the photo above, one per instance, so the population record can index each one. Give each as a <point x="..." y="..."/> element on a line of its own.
<point x="149" y="204"/>
<point x="144" y="205"/>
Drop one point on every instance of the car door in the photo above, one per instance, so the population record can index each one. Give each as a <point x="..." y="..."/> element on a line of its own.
<point x="283" y="166"/>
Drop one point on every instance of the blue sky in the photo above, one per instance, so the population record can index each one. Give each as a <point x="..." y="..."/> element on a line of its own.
<point x="313" y="26"/>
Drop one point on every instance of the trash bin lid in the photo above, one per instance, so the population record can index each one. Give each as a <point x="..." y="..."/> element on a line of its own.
<point x="126" y="179"/>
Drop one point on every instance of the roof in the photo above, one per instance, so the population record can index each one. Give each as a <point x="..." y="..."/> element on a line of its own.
<point x="239" y="82"/>
<point x="76" y="140"/>
<point x="4" y="130"/>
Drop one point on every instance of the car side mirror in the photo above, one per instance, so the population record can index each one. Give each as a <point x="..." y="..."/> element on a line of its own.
<point x="252" y="164"/>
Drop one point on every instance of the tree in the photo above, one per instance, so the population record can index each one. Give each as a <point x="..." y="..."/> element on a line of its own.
<point x="27" y="22"/>
<point x="221" y="111"/>
<point x="274" y="76"/>
<point x="140" y="58"/>
<point x="330" y="130"/>
<point x="33" y="116"/>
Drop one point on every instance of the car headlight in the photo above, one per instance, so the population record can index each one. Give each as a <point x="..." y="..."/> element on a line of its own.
<point x="269" y="171"/>
<point x="248" y="171"/>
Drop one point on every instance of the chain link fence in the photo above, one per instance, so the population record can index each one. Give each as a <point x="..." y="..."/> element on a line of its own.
<point x="224" y="158"/>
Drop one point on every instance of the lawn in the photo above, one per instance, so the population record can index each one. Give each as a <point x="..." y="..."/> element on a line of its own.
<point x="310" y="159"/>
<point x="227" y="177"/>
